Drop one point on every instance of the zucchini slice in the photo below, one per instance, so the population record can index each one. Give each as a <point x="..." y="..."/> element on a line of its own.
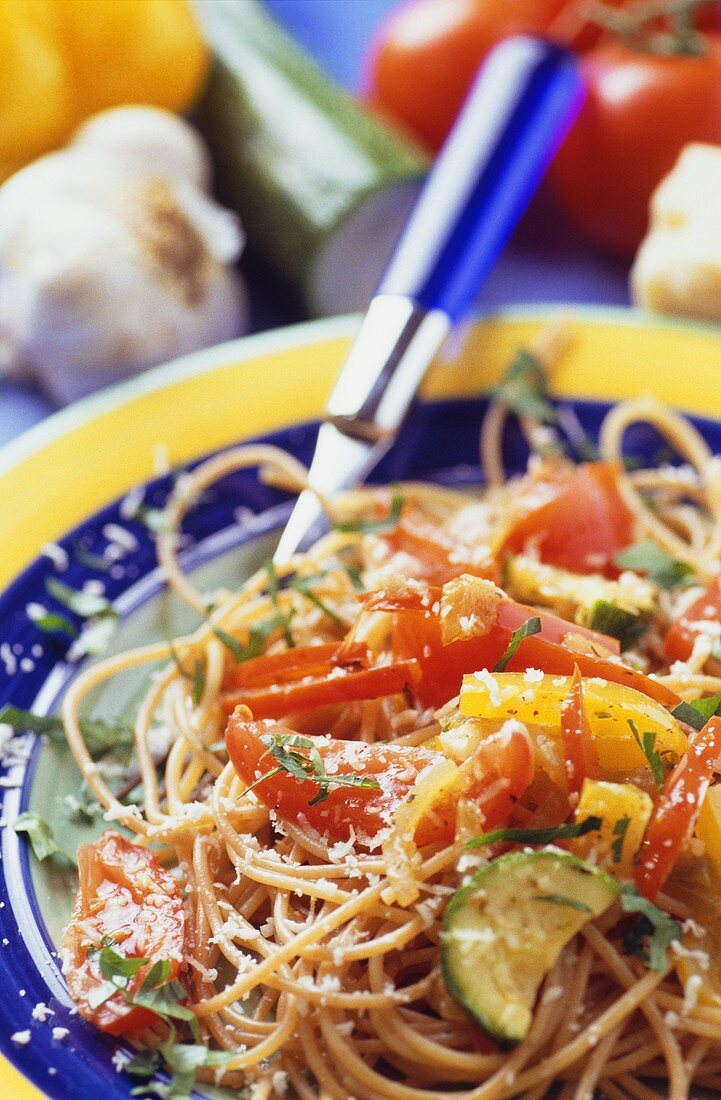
<point x="503" y="932"/>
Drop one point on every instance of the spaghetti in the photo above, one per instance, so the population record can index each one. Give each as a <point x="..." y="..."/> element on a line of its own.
<point x="313" y="934"/>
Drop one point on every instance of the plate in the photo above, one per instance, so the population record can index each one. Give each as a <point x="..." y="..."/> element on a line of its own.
<point x="62" y="486"/>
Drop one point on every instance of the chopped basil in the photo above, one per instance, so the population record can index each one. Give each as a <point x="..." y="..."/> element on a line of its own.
<point x="41" y="838"/>
<point x="647" y="745"/>
<point x="100" y="736"/>
<point x="524" y="388"/>
<point x="155" y="519"/>
<point x="537" y="836"/>
<point x="164" y="999"/>
<point x="280" y="614"/>
<point x="607" y="618"/>
<point x="257" y="637"/>
<point x="376" y="526"/>
<point x="84" y="604"/>
<point x="196" y="677"/>
<point x="52" y="623"/>
<point x="96" y="634"/>
<point x="281" y="746"/>
<point x="619" y="831"/>
<point x="697" y="713"/>
<point x="561" y="899"/>
<point x="182" y="1059"/>
<point x="114" y="966"/>
<point x="303" y="586"/>
<point x="647" y="557"/>
<point x="650" y="935"/>
<point x="90" y="560"/>
<point x="531" y="626"/>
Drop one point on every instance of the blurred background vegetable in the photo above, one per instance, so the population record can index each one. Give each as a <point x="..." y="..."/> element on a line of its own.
<point x="322" y="187"/>
<point x="63" y="61"/>
<point x="113" y="257"/>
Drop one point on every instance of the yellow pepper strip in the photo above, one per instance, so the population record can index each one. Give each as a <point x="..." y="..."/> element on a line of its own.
<point x="62" y="61"/>
<point x="536" y="701"/>
<point x="708" y="827"/>
<point x="625" y="811"/>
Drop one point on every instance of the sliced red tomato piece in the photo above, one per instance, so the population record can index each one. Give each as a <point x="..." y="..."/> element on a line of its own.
<point x="580" y="754"/>
<point x="368" y="810"/>
<point x="440" y="557"/>
<point x="417" y="633"/>
<point x="574" y="517"/>
<point x="677" y="809"/>
<point x="336" y="684"/>
<point x="681" y="636"/>
<point x="124" y="894"/>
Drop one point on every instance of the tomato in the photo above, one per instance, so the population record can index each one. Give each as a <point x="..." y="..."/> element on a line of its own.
<point x="641" y="109"/>
<point x="299" y="679"/>
<point x="681" y="636"/>
<point x="126" y="895"/>
<point x="425" y="55"/>
<point x="417" y="633"/>
<point x="500" y="771"/>
<point x="439" y="556"/>
<point x="677" y="809"/>
<point x="368" y="810"/>
<point x="580" y="755"/>
<point x="574" y="516"/>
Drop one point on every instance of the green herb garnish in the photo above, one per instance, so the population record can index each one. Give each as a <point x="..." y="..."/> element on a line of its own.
<point x="647" y="745"/>
<point x="100" y="736"/>
<point x="100" y="615"/>
<point x="303" y="586"/>
<point x="531" y="626"/>
<point x="697" y="713"/>
<point x="537" y="836"/>
<point x="280" y="614"/>
<point x="524" y="388"/>
<point x="196" y="677"/>
<point x="281" y="747"/>
<point x="90" y="560"/>
<point x="182" y="1059"/>
<point x="647" y="557"/>
<point x="53" y="623"/>
<point x="619" y="831"/>
<point x="41" y="838"/>
<point x="376" y="526"/>
<point x="653" y="931"/>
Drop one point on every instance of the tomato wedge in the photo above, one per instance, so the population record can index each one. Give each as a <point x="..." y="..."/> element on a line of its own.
<point x="681" y="636"/>
<point x="574" y="517"/>
<point x="368" y="811"/>
<point x="677" y="809"/>
<point x="124" y="894"/>
<point x="440" y="557"/>
<point x="500" y="771"/>
<point x="580" y="754"/>
<point x="417" y="633"/>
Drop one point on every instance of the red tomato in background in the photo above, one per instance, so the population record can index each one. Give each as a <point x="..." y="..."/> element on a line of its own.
<point x="426" y="54"/>
<point x="641" y="109"/>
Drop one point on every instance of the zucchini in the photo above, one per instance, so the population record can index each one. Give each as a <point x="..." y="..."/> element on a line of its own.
<point x="620" y="608"/>
<point x="322" y="187"/>
<point x="503" y="932"/>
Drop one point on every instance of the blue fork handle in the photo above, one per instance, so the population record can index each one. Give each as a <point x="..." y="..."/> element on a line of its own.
<point x="518" y="110"/>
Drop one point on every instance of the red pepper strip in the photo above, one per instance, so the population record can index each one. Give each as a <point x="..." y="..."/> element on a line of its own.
<point x="575" y="518"/>
<point x="294" y="664"/>
<point x="440" y="557"/>
<point x="681" y="636"/>
<point x="369" y="811"/>
<point x="677" y="809"/>
<point x="581" y="758"/>
<point x="336" y="685"/>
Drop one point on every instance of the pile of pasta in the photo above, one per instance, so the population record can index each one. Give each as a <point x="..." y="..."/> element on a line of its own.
<point x="313" y="939"/>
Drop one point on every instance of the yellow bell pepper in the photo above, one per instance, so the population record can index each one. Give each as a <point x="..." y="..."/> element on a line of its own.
<point x="625" y="811"/>
<point x="708" y="828"/>
<point x="64" y="60"/>
<point x="537" y="702"/>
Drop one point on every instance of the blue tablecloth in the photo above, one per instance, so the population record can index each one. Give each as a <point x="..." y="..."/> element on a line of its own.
<point x="545" y="262"/>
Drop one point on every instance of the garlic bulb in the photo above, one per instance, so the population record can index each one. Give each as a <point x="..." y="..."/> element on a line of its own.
<point x="113" y="258"/>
